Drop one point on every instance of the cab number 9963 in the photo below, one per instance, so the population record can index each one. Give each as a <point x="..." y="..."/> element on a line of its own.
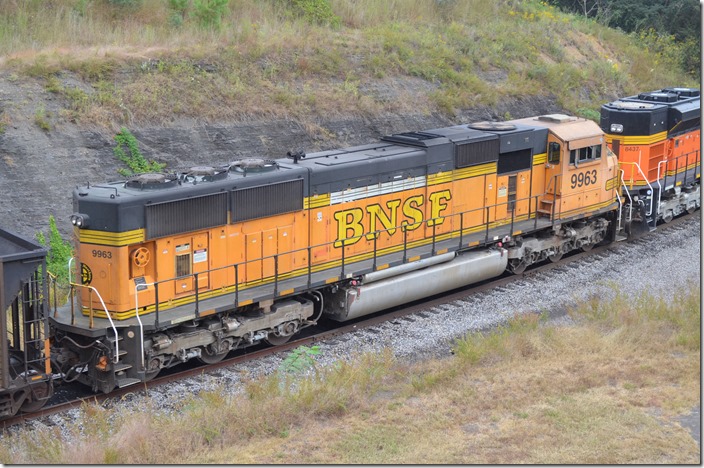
<point x="101" y="253"/>
<point x="583" y="179"/>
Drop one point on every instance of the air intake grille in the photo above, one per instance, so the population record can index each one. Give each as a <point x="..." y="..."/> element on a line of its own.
<point x="480" y="152"/>
<point x="192" y="214"/>
<point x="267" y="200"/>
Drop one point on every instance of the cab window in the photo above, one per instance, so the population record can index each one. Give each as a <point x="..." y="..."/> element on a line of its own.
<point x="586" y="154"/>
<point x="554" y="153"/>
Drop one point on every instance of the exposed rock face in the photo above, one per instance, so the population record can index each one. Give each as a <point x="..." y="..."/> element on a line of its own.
<point x="39" y="169"/>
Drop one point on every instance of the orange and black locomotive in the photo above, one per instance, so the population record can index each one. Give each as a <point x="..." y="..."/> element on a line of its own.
<point x="188" y="265"/>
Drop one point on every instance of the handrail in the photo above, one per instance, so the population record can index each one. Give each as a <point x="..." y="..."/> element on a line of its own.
<point x="664" y="161"/>
<point x="508" y="221"/>
<point x="630" y="200"/>
<point x="70" y="280"/>
<point x="107" y="313"/>
<point x="646" y="181"/>
<point x="139" y="320"/>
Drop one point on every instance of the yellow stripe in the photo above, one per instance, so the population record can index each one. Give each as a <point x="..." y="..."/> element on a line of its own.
<point x="459" y="174"/>
<point x="316" y="201"/>
<point x="541" y="158"/>
<point x="682" y="169"/>
<point x="611" y="183"/>
<point x="637" y="140"/>
<point x="286" y="292"/>
<point x="587" y="209"/>
<point x="116" y="239"/>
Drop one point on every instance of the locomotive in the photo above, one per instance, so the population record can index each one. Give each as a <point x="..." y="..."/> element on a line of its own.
<point x="191" y="265"/>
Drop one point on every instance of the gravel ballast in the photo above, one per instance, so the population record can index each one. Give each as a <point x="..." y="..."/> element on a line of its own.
<point x="659" y="263"/>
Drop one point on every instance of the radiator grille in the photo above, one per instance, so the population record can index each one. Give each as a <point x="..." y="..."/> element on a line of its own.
<point x="267" y="200"/>
<point x="480" y="152"/>
<point x="192" y="214"/>
<point x="515" y="161"/>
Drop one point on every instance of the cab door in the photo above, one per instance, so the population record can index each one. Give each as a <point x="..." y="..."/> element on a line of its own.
<point x="549" y="203"/>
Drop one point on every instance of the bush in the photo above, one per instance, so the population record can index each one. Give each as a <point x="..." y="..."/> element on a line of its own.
<point x="315" y="11"/>
<point x="127" y="151"/>
<point x="60" y="251"/>
<point x="209" y="12"/>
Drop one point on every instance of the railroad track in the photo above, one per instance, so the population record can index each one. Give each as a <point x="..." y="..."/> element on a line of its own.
<point x="321" y="334"/>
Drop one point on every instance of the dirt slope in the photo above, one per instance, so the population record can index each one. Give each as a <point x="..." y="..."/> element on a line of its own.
<point x="39" y="168"/>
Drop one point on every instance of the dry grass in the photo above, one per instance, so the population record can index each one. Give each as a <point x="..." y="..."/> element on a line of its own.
<point x="607" y="390"/>
<point x="424" y="56"/>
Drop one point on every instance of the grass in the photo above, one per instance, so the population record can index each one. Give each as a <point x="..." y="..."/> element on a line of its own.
<point x="606" y="390"/>
<point x="265" y="62"/>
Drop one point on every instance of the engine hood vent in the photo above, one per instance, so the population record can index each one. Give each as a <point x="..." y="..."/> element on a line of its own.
<point x="492" y="126"/>
<point x="198" y="174"/>
<point x="253" y="166"/>
<point x="152" y="181"/>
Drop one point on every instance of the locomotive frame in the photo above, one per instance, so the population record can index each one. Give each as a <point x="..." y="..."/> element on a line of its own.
<point x="210" y="269"/>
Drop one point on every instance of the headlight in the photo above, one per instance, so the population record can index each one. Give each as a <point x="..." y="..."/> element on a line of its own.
<point x="616" y="128"/>
<point x="79" y="220"/>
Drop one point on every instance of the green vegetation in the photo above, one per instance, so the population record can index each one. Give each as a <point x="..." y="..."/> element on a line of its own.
<point x="59" y="252"/>
<point x="299" y="360"/>
<point x="127" y="151"/>
<point x="674" y="24"/>
<point x="527" y="392"/>
<point x="41" y="119"/>
<point x="217" y="60"/>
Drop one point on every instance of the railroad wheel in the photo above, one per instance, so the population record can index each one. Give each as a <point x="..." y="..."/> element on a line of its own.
<point x="37" y="398"/>
<point x="587" y="247"/>
<point x="282" y="334"/>
<point x="153" y="369"/>
<point x="517" y="266"/>
<point x="215" y="352"/>
<point x="691" y="209"/>
<point x="667" y="217"/>
<point x="556" y="257"/>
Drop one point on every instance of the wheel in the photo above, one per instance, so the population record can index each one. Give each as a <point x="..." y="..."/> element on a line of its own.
<point x="587" y="247"/>
<point x="153" y="369"/>
<point x="691" y="209"/>
<point x="38" y="396"/>
<point x="667" y="217"/>
<point x="277" y="340"/>
<point x="517" y="266"/>
<point x="214" y="353"/>
<point x="556" y="257"/>
<point x="282" y="334"/>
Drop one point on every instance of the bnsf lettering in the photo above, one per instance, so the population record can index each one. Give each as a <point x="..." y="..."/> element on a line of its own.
<point x="351" y="222"/>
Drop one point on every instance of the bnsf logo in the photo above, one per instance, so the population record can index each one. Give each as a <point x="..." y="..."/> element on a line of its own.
<point x="351" y="222"/>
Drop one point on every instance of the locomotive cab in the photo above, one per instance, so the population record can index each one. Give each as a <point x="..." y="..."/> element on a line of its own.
<point x="580" y="173"/>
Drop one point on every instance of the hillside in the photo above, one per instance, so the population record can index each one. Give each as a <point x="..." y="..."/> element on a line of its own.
<point x="199" y="86"/>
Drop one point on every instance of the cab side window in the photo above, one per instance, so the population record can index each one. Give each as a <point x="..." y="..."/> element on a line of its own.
<point x="587" y="154"/>
<point x="554" y="153"/>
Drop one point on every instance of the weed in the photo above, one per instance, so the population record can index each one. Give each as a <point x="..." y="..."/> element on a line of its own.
<point x="210" y="12"/>
<point x="127" y="151"/>
<point x="299" y="360"/>
<point x="315" y="11"/>
<point x="60" y="251"/>
<point x="41" y="119"/>
<point x="590" y="114"/>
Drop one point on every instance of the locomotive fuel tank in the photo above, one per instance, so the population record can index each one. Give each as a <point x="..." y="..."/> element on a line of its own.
<point x="356" y="301"/>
